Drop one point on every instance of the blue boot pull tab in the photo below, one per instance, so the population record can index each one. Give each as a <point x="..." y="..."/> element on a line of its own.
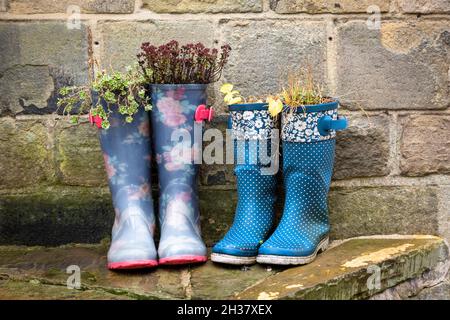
<point x="326" y="123"/>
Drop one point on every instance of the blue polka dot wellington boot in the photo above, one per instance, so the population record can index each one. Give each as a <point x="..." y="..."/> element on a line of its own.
<point x="254" y="138"/>
<point x="308" y="141"/>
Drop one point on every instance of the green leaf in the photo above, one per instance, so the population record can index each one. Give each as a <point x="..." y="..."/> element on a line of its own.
<point x="105" y="124"/>
<point x="109" y="97"/>
<point x="82" y="95"/>
<point x="74" y="119"/>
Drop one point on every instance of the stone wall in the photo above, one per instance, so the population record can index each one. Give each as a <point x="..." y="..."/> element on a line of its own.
<point x="393" y="164"/>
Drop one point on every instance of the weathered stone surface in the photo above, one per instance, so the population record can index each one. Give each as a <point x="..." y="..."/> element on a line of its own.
<point x="334" y="6"/>
<point x="119" y="49"/>
<point x="345" y="272"/>
<point x="439" y="292"/>
<point x="216" y="175"/>
<point x="217" y="209"/>
<point x="209" y="6"/>
<point x="425" y="6"/>
<point x="383" y="210"/>
<point x="401" y="66"/>
<point x="355" y="269"/>
<point x="25" y="158"/>
<point x="55" y="215"/>
<point x="431" y="284"/>
<point x="214" y="281"/>
<point x="48" y="265"/>
<point x="219" y="173"/>
<point x="4" y="5"/>
<point x="71" y="6"/>
<point x="35" y="64"/>
<point x="60" y="215"/>
<point x="34" y="290"/>
<point x="23" y="87"/>
<point x="264" y="52"/>
<point x="425" y="144"/>
<point x="79" y="155"/>
<point x="363" y="149"/>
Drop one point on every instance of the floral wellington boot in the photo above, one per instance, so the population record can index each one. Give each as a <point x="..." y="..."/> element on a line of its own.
<point x="173" y="122"/>
<point x="126" y="151"/>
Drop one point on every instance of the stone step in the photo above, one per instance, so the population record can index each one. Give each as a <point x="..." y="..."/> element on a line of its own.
<point x="357" y="268"/>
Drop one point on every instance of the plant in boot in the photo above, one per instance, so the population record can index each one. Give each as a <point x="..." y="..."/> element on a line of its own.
<point x="178" y="77"/>
<point x="108" y="92"/>
<point x="253" y="129"/>
<point x="174" y="64"/>
<point x="308" y="144"/>
<point x="118" y="106"/>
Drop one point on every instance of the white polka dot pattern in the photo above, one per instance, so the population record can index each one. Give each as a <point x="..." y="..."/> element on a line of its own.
<point x="307" y="170"/>
<point x="256" y="200"/>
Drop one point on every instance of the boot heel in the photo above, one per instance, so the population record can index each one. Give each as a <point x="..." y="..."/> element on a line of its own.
<point x="324" y="245"/>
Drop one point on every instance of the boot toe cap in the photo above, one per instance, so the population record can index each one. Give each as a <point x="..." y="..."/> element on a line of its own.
<point x="267" y="249"/>
<point x="230" y="249"/>
<point x="131" y="254"/>
<point x="185" y="247"/>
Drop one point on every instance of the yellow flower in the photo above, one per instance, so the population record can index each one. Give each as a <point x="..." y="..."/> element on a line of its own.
<point x="226" y="88"/>
<point x="231" y="99"/>
<point x="275" y="106"/>
<point x="231" y="96"/>
<point x="236" y="100"/>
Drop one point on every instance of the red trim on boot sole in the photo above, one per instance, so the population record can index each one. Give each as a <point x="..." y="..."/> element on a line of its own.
<point x="138" y="264"/>
<point x="183" y="260"/>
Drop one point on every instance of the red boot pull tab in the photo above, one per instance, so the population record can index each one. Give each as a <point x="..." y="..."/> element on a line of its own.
<point x="95" y="120"/>
<point x="204" y="113"/>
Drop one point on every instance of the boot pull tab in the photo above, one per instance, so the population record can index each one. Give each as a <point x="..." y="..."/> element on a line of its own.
<point x="203" y="113"/>
<point x="95" y="120"/>
<point x="326" y="123"/>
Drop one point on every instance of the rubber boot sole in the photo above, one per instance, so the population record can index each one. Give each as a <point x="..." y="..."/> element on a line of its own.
<point x="182" y="260"/>
<point x="291" y="260"/>
<point x="128" y="265"/>
<point x="230" y="259"/>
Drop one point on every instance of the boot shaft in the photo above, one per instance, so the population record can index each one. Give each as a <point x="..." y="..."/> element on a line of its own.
<point x="308" y="134"/>
<point x="255" y="138"/>
<point x="176" y="135"/>
<point x="255" y="147"/>
<point x="308" y="158"/>
<point x="177" y="140"/>
<point x="126" y="151"/>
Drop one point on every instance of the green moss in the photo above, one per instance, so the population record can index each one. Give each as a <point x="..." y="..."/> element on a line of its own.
<point x="217" y="213"/>
<point x="56" y="215"/>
